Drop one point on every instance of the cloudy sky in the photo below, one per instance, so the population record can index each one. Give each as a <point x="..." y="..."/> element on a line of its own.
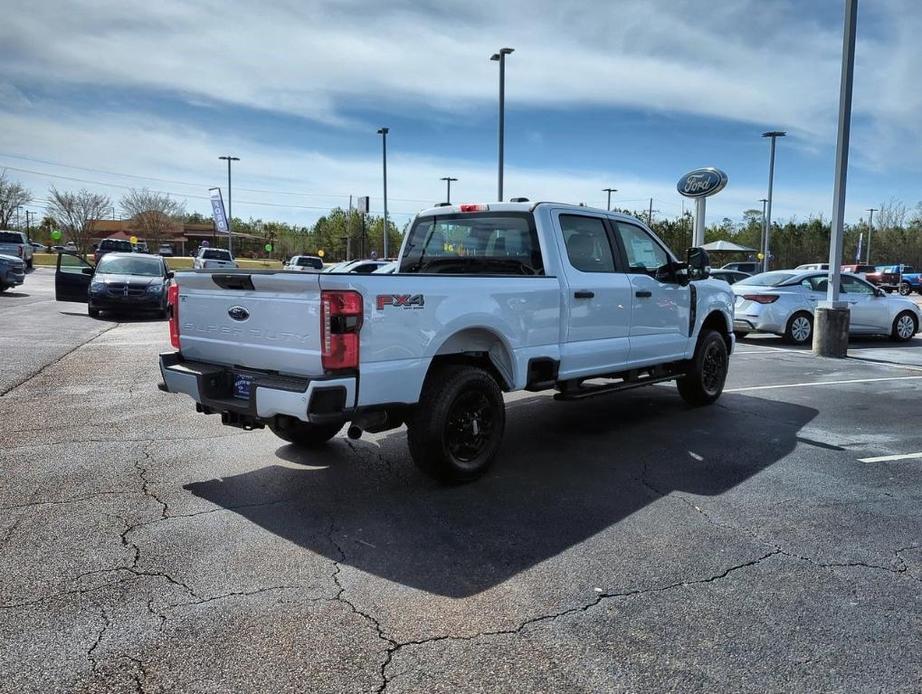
<point x="624" y="93"/>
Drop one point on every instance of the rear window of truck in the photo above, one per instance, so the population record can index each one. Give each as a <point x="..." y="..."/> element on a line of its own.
<point x="10" y="237"/>
<point x="488" y="243"/>
<point x="215" y="254"/>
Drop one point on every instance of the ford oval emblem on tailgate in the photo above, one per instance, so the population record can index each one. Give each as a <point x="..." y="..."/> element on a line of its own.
<point x="238" y="313"/>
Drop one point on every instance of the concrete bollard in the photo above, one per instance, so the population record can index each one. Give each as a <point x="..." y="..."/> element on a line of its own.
<point x="830" y="332"/>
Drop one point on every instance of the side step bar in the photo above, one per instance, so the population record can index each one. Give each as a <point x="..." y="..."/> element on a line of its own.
<point x="577" y="391"/>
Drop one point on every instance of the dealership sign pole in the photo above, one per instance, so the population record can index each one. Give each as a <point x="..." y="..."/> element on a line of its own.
<point x="700" y="184"/>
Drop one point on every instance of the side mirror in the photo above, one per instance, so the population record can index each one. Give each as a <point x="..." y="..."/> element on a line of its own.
<point x="879" y="292"/>
<point x="699" y="264"/>
<point x="170" y="274"/>
<point x="87" y="271"/>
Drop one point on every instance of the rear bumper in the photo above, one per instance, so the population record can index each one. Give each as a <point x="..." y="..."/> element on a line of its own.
<point x="315" y="400"/>
<point x="12" y="278"/>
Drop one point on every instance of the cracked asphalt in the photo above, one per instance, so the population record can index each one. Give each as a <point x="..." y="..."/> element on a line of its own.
<point x="626" y="543"/>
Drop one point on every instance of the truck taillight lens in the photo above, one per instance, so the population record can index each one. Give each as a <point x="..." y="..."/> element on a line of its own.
<point x="341" y="314"/>
<point x="761" y="298"/>
<point x="172" y="300"/>
<point x="471" y="207"/>
<point x="21" y="251"/>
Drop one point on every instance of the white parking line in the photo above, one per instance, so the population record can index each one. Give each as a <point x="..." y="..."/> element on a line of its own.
<point x="888" y="458"/>
<point x="823" y="383"/>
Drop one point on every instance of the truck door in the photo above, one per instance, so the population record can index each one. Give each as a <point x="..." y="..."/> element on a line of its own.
<point x="597" y="303"/>
<point x="661" y="309"/>
<point x="72" y="278"/>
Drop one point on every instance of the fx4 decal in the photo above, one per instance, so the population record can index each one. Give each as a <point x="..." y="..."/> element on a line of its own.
<point x="400" y="300"/>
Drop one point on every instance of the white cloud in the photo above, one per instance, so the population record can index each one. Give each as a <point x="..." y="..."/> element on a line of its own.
<point x="300" y="185"/>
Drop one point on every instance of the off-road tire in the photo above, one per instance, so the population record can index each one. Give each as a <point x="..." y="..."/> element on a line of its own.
<point x="92" y="312"/>
<point x="794" y="332"/>
<point x="704" y="381"/>
<point x="457" y="428"/>
<point x="304" y="434"/>
<point x="900" y="331"/>
<point x="905" y="289"/>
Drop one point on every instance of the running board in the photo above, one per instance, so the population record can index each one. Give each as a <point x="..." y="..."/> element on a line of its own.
<point x="581" y="392"/>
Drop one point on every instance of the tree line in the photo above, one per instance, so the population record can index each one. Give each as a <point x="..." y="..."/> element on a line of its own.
<point x="896" y="235"/>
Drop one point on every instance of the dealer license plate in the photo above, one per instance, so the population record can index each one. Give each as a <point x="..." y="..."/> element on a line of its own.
<point x="242" y="386"/>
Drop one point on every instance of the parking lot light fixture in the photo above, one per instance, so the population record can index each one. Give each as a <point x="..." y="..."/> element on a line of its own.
<point x="383" y="133"/>
<point x="774" y="135"/>
<point x="609" y="191"/>
<point x="448" y="180"/>
<point x="230" y="214"/>
<point x="501" y="59"/>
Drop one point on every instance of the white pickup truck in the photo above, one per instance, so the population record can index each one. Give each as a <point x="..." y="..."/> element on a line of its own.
<point x="488" y="298"/>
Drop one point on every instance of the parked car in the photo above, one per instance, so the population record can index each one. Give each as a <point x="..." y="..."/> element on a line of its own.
<point x="134" y="282"/>
<point x="748" y="266"/>
<point x="388" y="268"/>
<point x="902" y="278"/>
<point x="38" y="247"/>
<point x="12" y="272"/>
<point x="360" y="267"/>
<point x="488" y="298"/>
<point x="813" y="266"/>
<point x="166" y="250"/>
<point x="729" y="276"/>
<point x="111" y="246"/>
<point x="861" y="270"/>
<point x="305" y="263"/>
<point x="213" y="259"/>
<point x="16" y="244"/>
<point x="783" y="302"/>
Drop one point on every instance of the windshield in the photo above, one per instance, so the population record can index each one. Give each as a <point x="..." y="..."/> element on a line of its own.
<point x="122" y="265"/>
<point x="489" y="243"/>
<point x="315" y="263"/>
<point x="768" y="279"/>
<point x="216" y="254"/>
<point x="10" y="237"/>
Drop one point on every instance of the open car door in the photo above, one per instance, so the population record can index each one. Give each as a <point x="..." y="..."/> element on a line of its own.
<point x="72" y="278"/>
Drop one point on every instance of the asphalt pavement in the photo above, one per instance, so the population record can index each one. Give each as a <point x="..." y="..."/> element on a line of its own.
<point x="772" y="542"/>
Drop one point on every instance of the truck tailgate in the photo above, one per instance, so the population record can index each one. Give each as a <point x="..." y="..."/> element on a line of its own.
<point x="268" y="321"/>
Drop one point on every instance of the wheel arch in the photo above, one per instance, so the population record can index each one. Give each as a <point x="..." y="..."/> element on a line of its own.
<point x="719" y="321"/>
<point x="478" y="346"/>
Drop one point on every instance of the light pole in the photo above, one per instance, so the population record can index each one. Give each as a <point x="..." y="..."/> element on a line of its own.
<point x="383" y="133"/>
<point x="501" y="57"/>
<point x="230" y="209"/>
<point x="773" y="134"/>
<point x="448" y="180"/>
<point x="830" y="334"/>
<point x="872" y="210"/>
<point x="609" y="191"/>
<point x="762" y="240"/>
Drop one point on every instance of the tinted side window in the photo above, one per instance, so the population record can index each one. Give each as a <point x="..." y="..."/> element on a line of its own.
<point x="588" y="247"/>
<point x="644" y="254"/>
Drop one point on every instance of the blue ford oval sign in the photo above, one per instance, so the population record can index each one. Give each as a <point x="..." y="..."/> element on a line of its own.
<point x="238" y="313"/>
<point x="702" y="183"/>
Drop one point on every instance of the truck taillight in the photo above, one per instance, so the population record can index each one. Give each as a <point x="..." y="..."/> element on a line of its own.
<point x="472" y="207"/>
<point x="21" y="250"/>
<point x="341" y="314"/>
<point x="172" y="300"/>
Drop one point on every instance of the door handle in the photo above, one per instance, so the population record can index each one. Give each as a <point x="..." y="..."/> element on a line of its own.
<point x="643" y="294"/>
<point x="583" y="295"/>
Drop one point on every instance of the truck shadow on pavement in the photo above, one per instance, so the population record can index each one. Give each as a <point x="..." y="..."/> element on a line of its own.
<point x="566" y="472"/>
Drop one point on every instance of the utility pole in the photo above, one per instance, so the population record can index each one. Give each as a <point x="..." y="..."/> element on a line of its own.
<point x="501" y="58"/>
<point x="762" y="240"/>
<point x="650" y="214"/>
<point x="609" y="191"/>
<point x="830" y="335"/>
<point x="28" y="226"/>
<point x="383" y="133"/>
<point x="230" y="209"/>
<point x="872" y="210"/>
<point x="448" y="180"/>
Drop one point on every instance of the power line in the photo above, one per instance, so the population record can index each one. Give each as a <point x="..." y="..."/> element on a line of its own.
<point x="177" y="194"/>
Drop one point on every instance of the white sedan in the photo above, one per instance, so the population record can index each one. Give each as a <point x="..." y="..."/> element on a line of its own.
<point x="782" y="302"/>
